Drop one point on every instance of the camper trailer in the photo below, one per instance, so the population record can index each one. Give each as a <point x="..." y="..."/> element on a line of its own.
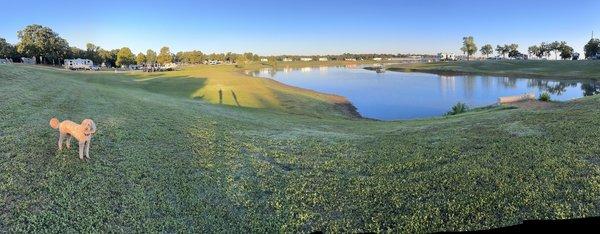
<point x="78" y="63"/>
<point x="30" y="61"/>
<point x="75" y="64"/>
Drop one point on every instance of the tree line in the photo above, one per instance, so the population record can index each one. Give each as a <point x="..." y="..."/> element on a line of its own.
<point x="49" y="48"/>
<point x="543" y="50"/>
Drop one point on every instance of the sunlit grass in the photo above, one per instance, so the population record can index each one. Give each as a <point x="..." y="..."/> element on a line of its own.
<point x="228" y="85"/>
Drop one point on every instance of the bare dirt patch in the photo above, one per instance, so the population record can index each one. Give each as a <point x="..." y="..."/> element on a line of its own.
<point x="532" y="104"/>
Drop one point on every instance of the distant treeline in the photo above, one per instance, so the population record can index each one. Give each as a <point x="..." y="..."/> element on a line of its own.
<point x="49" y="48"/>
<point x="542" y="51"/>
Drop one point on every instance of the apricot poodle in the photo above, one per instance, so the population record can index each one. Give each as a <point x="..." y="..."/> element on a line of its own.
<point x="82" y="132"/>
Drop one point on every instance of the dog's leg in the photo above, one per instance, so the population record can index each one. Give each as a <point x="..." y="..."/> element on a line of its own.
<point x="81" y="146"/>
<point x="69" y="141"/>
<point x="60" y="140"/>
<point x="87" y="148"/>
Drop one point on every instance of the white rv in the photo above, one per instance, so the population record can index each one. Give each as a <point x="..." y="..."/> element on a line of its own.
<point x="78" y="63"/>
<point x="31" y="60"/>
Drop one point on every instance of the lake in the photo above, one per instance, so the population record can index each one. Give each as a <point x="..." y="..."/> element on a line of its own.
<point x="407" y="95"/>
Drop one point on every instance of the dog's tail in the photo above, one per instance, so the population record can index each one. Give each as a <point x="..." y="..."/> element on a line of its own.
<point x="54" y="123"/>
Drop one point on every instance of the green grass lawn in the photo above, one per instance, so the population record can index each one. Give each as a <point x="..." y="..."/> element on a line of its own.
<point x="166" y="158"/>
<point x="567" y="69"/>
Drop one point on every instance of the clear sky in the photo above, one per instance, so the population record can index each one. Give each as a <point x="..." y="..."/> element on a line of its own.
<point x="274" y="27"/>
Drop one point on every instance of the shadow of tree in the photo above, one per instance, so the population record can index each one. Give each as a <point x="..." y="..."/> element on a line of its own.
<point x="180" y="86"/>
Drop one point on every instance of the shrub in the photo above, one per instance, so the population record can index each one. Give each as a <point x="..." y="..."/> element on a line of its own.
<point x="545" y="97"/>
<point x="458" y="108"/>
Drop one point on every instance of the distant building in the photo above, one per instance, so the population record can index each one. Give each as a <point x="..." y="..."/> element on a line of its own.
<point x="377" y="59"/>
<point x="213" y="62"/>
<point x="264" y="60"/>
<point x="407" y="59"/>
<point x="287" y="59"/>
<point x="306" y="59"/>
<point x="78" y="63"/>
<point x="446" y="56"/>
<point x="31" y="60"/>
<point x="350" y="59"/>
<point x="134" y="67"/>
<point x="323" y="59"/>
<point x="169" y="66"/>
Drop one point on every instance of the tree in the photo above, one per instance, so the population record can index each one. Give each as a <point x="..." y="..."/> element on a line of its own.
<point x="566" y="52"/>
<point x="469" y="46"/>
<point x="125" y="57"/>
<point x="241" y="59"/>
<point x="534" y="49"/>
<point x="6" y="49"/>
<point x="150" y="57"/>
<point x="190" y="57"/>
<point x="514" y="54"/>
<point x="140" y="59"/>
<point x="42" y="42"/>
<point x="107" y="57"/>
<point x="487" y="50"/>
<point x="164" y="56"/>
<point x="502" y="50"/>
<point x="544" y="50"/>
<point x="75" y="52"/>
<point x="592" y="48"/>
<point x="230" y="57"/>
<point x="91" y="53"/>
<point x="555" y="47"/>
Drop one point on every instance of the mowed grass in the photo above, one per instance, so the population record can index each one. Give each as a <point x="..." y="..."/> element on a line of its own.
<point x="561" y="69"/>
<point x="163" y="161"/>
<point x="228" y="85"/>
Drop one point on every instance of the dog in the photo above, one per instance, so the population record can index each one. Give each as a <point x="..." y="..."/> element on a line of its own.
<point x="82" y="132"/>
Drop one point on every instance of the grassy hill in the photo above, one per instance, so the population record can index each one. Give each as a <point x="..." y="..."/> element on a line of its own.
<point x="567" y="69"/>
<point x="166" y="158"/>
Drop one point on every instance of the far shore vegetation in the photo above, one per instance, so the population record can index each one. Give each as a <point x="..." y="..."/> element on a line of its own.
<point x="561" y="69"/>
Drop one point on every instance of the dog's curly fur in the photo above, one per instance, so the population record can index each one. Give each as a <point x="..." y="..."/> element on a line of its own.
<point x="82" y="132"/>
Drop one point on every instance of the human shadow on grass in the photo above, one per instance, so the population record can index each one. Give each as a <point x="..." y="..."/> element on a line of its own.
<point x="235" y="98"/>
<point x="220" y="96"/>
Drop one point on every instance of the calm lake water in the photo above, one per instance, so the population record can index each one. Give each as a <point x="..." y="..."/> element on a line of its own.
<point x="406" y="95"/>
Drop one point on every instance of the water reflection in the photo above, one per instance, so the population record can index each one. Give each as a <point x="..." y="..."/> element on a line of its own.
<point x="591" y="87"/>
<point x="551" y="86"/>
<point x="400" y="95"/>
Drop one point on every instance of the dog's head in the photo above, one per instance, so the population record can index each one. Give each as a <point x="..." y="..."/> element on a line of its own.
<point x="89" y="127"/>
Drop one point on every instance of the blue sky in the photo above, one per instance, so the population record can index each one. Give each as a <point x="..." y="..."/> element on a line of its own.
<point x="307" y="27"/>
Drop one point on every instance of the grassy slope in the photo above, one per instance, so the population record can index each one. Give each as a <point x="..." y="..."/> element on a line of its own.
<point x="238" y="89"/>
<point x="555" y="69"/>
<point x="164" y="162"/>
<point x="204" y="82"/>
